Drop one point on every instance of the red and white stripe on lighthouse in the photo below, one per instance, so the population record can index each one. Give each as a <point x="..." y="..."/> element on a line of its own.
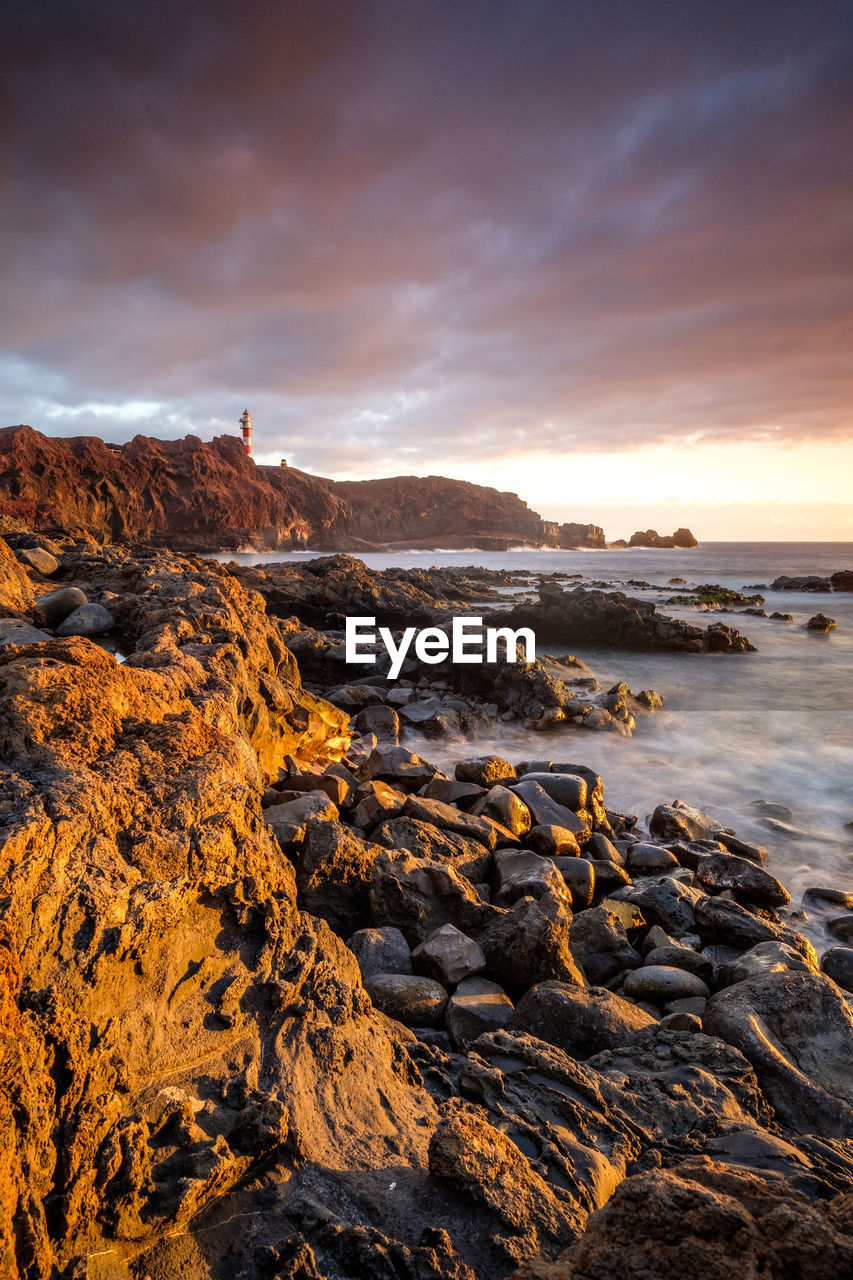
<point x="246" y="428"/>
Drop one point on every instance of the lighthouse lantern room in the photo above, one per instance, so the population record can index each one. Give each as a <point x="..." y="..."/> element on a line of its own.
<point x="246" y="428"/>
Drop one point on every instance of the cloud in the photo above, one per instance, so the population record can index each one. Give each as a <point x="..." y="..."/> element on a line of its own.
<point x="401" y="231"/>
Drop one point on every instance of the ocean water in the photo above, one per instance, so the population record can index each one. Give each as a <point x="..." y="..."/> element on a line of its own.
<point x="776" y="725"/>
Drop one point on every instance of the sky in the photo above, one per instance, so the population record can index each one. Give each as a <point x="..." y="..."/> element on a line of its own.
<point x="596" y="253"/>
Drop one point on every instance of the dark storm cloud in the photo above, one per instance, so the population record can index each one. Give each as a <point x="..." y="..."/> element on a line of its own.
<point x="426" y="228"/>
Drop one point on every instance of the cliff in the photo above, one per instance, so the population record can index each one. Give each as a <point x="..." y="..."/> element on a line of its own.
<point x="403" y="511"/>
<point x="197" y="495"/>
<point x="193" y="493"/>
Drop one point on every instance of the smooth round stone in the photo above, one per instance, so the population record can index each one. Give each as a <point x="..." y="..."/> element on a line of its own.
<point x="675" y="957"/>
<point x="57" y="605"/>
<point x="649" y="859"/>
<point x="416" y="1002"/>
<point x="660" y="983"/>
<point x="88" y="620"/>
<point x="837" y="963"/>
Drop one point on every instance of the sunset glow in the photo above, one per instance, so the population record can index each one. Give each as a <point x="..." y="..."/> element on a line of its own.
<point x="598" y="254"/>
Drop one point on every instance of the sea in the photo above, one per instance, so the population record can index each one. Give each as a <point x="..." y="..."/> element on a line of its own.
<point x="736" y="733"/>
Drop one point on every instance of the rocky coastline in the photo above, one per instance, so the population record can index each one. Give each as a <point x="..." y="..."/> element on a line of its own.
<point x="281" y="999"/>
<point x="193" y="495"/>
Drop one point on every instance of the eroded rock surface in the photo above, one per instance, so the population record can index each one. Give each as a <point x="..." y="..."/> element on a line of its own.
<point x="194" y="1079"/>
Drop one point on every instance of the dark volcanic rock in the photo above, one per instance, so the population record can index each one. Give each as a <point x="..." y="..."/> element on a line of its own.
<point x="189" y="493"/>
<point x="651" y="538"/>
<point x="588" y="617"/>
<point x="581" y="1020"/>
<point x="706" y="1221"/>
<point x="797" y="1031"/>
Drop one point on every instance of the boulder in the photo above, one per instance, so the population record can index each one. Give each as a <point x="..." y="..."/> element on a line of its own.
<point x="566" y="788"/>
<point x="522" y="874"/>
<point x="450" y="791"/>
<point x="725" y="921"/>
<point x="552" y="842"/>
<point x="579" y="878"/>
<point x="609" y="877"/>
<point x="382" y="950"/>
<point x="797" y="1031"/>
<point x="476" y="1007"/>
<point x="57" y="605"/>
<point x="661" y="983"/>
<point x="448" y="955"/>
<point x="667" y="902"/>
<point x="530" y="943"/>
<point x="649" y="859"/>
<point x="486" y="771"/>
<point x="822" y="896"/>
<point x="547" y="812"/>
<point x="764" y="957"/>
<point x="380" y="720"/>
<point x="719" y="871"/>
<point x="375" y="802"/>
<point x="600" y="848"/>
<point x="290" y="820"/>
<point x="418" y="897"/>
<point x="678" y="821"/>
<point x="841" y="926"/>
<point x="412" y="1000"/>
<point x="355" y="697"/>
<point x="400" y="767"/>
<point x="837" y="963"/>
<point x="600" y="945"/>
<point x="87" y="620"/>
<point x="39" y="559"/>
<point x="504" y="807"/>
<point x="447" y="818"/>
<point x="469" y="857"/>
<point x="581" y="1021"/>
<point x="676" y="957"/>
<point x="821" y="623"/>
<point x="336" y="788"/>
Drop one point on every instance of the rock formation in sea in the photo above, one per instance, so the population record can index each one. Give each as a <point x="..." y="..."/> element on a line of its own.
<point x="651" y="538"/>
<point x="193" y="495"/>
<point x="282" y="999"/>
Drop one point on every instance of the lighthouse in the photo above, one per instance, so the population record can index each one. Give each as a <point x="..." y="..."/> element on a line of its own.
<point x="246" y="429"/>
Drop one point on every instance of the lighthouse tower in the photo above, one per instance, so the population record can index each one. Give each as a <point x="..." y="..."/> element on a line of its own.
<point x="246" y="428"/>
